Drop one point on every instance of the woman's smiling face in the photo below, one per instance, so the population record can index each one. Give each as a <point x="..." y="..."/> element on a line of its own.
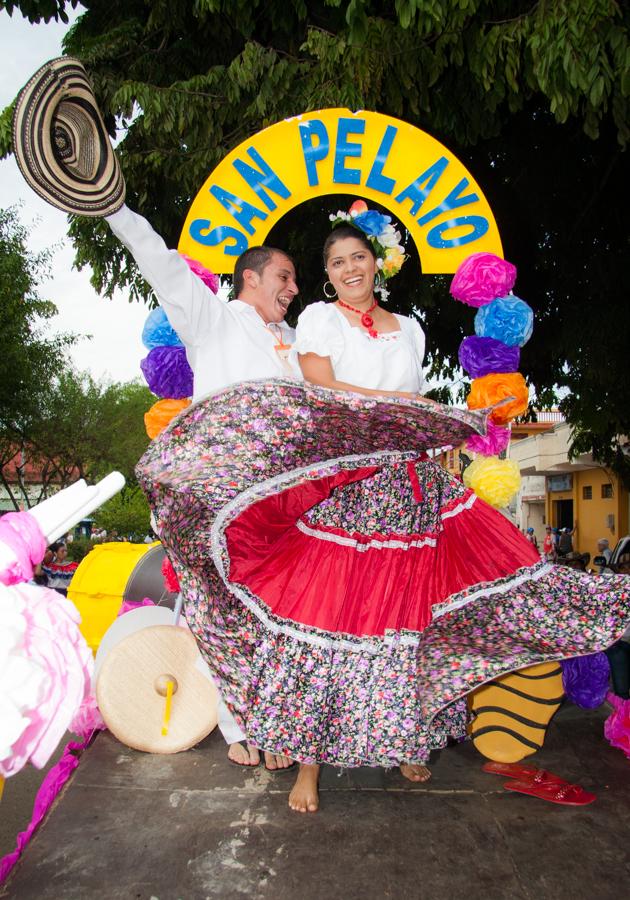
<point x="351" y="269"/>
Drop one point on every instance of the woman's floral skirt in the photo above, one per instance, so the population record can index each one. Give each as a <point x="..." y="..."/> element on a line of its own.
<point x="347" y="594"/>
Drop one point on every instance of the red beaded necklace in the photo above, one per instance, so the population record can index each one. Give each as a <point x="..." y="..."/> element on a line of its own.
<point x="366" y="319"/>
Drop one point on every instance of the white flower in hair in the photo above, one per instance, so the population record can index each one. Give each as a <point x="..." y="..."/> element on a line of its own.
<point x="389" y="238"/>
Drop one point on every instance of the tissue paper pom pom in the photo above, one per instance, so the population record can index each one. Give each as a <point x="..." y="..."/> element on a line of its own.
<point x="157" y="418"/>
<point x="617" y="725"/>
<point x="585" y="679"/>
<point x="491" y="389"/>
<point x="45" y="673"/>
<point x="484" y="355"/>
<point x="495" y="441"/>
<point x="171" y="582"/>
<point x="506" y="319"/>
<point x="481" y="277"/>
<point x="493" y="480"/>
<point x="208" y="277"/>
<point x="88" y="719"/>
<point x="167" y="372"/>
<point x="158" y="331"/>
<point x="22" y="545"/>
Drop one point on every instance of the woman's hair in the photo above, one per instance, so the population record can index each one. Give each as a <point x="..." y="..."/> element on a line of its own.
<point x="340" y="233"/>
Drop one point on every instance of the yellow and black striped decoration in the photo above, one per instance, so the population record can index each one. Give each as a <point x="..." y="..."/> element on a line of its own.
<point x="511" y="714"/>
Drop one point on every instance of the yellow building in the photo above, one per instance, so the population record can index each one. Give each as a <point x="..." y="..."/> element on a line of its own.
<point x="576" y="490"/>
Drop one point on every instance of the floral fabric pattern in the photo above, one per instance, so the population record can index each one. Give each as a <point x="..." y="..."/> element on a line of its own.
<point x="320" y="695"/>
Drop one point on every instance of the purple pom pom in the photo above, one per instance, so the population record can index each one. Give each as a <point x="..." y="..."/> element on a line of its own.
<point x="481" y="356"/>
<point x="482" y="277"/>
<point x="585" y="679"/>
<point x="167" y="373"/>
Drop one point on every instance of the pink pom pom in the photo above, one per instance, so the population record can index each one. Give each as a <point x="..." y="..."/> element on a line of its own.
<point x="492" y="444"/>
<point x="128" y="605"/>
<point x="209" y="278"/>
<point x="617" y="725"/>
<point x="88" y="719"/>
<point x="481" y="278"/>
<point x="52" y="670"/>
<point x="171" y="581"/>
<point x="22" y="545"/>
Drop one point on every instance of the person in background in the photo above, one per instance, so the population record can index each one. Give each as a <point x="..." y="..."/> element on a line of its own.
<point x="565" y="541"/>
<point x="549" y="545"/>
<point x="59" y="570"/>
<point x="603" y="549"/>
<point x="531" y="537"/>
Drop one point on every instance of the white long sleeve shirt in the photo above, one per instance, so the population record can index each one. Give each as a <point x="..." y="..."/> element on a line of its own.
<point x="225" y="343"/>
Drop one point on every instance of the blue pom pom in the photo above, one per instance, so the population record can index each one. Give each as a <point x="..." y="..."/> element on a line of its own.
<point x="507" y="319"/>
<point x="158" y="332"/>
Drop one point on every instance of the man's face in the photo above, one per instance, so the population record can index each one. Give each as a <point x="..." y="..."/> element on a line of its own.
<point x="274" y="288"/>
<point x="62" y="552"/>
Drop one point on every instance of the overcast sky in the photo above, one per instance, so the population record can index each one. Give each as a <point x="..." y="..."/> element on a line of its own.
<point x="115" y="350"/>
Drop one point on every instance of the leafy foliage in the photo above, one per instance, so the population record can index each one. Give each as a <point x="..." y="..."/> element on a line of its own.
<point x="532" y="96"/>
<point x="127" y="513"/>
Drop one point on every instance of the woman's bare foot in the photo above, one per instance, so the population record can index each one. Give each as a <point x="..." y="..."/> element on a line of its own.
<point x="275" y="761"/>
<point x="243" y="754"/>
<point x="304" y="797"/>
<point x="414" y="772"/>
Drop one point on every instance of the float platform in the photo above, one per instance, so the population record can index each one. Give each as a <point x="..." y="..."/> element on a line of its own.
<point x="192" y="826"/>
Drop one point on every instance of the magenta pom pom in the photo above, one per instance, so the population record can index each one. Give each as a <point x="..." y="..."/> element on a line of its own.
<point x="617" y="725"/>
<point x="168" y="373"/>
<point x="209" y="278"/>
<point x="481" y="356"/>
<point x="481" y="278"/>
<point x="492" y="444"/>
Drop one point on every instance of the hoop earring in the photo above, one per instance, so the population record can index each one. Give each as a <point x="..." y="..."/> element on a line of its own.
<point x="332" y="296"/>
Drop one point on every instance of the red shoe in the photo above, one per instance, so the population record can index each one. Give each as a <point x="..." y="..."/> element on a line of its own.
<point x="565" y="794"/>
<point x="529" y="774"/>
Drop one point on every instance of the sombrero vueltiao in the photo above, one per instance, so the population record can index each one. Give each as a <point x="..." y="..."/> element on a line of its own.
<point x="61" y="144"/>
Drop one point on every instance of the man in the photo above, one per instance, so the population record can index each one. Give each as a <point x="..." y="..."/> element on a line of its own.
<point x="225" y="343"/>
<point x="565" y="542"/>
<point x="603" y="549"/>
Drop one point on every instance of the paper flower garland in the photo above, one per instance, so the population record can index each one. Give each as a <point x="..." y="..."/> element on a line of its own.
<point x="482" y="277"/>
<point x="503" y="323"/>
<point x="167" y="372"/>
<point x="157" y="418"/>
<point x="506" y="319"/>
<point x="45" y="673"/>
<point x="481" y="356"/>
<point x="166" y="368"/>
<point x="497" y="388"/>
<point x="493" y="480"/>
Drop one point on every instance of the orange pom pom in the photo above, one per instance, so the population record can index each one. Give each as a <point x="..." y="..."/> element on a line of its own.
<point x="358" y="206"/>
<point x="157" y="418"/>
<point x="491" y="389"/>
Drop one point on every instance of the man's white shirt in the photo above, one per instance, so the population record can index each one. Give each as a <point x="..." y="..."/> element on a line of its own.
<point x="225" y="343"/>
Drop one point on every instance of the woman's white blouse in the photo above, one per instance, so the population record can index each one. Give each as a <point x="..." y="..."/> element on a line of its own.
<point x="390" y="362"/>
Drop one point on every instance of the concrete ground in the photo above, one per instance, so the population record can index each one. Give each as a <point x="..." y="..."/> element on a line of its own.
<point x="192" y="826"/>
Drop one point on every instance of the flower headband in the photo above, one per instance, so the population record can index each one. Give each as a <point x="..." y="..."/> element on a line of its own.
<point x="390" y="253"/>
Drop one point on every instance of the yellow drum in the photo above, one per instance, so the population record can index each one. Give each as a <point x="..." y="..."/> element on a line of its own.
<point x="111" y="573"/>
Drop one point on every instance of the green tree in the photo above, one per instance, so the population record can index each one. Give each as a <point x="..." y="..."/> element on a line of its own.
<point x="127" y="513"/>
<point x="532" y="96"/>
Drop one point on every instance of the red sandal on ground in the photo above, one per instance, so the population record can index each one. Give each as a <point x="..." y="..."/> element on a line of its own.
<point x="565" y="794"/>
<point x="529" y="774"/>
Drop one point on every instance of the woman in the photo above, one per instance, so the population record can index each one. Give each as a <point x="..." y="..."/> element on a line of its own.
<point x="346" y="593"/>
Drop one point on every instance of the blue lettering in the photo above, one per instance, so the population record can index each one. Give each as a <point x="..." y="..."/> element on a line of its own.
<point x="262" y="178"/>
<point x="436" y="239"/>
<point x="451" y="202"/>
<point x="415" y="192"/>
<point x="345" y="148"/>
<point x="314" y="154"/>
<point x="217" y="236"/>
<point x="376" y="180"/>
<point x="244" y="214"/>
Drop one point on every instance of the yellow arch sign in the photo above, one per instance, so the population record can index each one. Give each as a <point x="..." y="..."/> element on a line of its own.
<point x="335" y="151"/>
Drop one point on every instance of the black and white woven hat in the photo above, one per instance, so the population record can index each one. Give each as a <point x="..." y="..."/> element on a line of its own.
<point x="61" y="144"/>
